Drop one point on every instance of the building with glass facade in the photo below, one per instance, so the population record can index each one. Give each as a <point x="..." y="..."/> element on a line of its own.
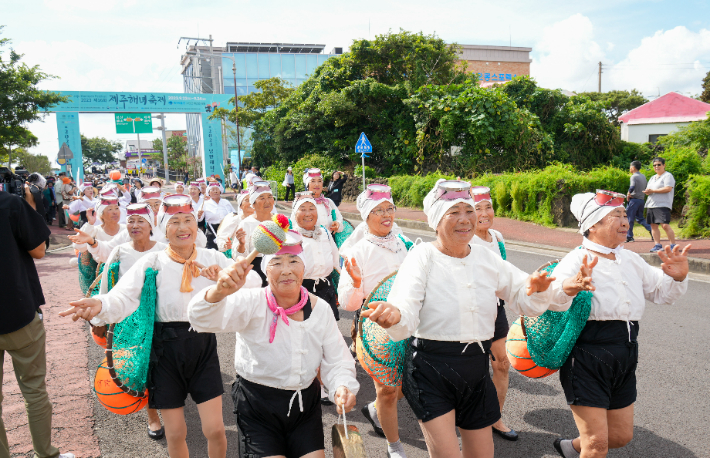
<point x="216" y="70"/>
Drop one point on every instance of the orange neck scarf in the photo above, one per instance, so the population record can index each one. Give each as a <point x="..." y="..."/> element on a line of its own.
<point x="189" y="271"/>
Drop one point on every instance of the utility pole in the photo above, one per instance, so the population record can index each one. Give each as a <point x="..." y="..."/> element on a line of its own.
<point x="600" y="77"/>
<point x="161" y="116"/>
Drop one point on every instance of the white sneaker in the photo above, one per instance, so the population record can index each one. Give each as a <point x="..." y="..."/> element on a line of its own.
<point x="396" y="450"/>
<point x="66" y="455"/>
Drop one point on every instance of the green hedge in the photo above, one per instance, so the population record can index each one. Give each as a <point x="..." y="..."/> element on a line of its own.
<point x="696" y="221"/>
<point x="410" y="190"/>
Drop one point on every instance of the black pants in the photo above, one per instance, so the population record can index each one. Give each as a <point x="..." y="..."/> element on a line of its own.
<point x="211" y="234"/>
<point x="290" y="189"/>
<point x="256" y="267"/>
<point x="326" y="291"/>
<point x="61" y="218"/>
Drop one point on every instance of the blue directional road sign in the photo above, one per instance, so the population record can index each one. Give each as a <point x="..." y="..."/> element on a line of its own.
<point x="363" y="145"/>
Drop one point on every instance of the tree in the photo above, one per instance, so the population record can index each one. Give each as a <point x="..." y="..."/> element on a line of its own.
<point x="21" y="101"/>
<point x="705" y="96"/>
<point x="617" y="102"/>
<point x="99" y="149"/>
<point x="270" y="93"/>
<point x="33" y="162"/>
<point x="177" y="152"/>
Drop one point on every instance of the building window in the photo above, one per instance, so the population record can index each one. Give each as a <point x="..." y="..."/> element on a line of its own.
<point x="654" y="138"/>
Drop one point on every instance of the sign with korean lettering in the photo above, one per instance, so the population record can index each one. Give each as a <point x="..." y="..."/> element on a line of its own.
<point x="138" y="102"/>
<point x="68" y="132"/>
<point x="213" y="161"/>
<point x="134" y="123"/>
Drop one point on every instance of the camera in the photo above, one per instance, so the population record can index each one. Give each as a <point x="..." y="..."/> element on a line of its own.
<point x="13" y="182"/>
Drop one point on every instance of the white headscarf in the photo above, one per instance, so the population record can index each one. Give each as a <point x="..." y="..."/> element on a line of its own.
<point x="150" y="217"/>
<point x="435" y="209"/>
<point x="256" y="191"/>
<point x="240" y="200"/>
<point x="163" y="218"/>
<point x="587" y="211"/>
<point x="101" y="207"/>
<point x="365" y="204"/>
<point x="307" y="179"/>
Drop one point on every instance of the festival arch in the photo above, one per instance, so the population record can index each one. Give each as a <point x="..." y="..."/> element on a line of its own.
<point x="140" y="102"/>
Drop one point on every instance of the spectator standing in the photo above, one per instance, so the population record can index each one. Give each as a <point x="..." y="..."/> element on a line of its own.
<point x="335" y="187"/>
<point x="22" y="237"/>
<point x="187" y="178"/>
<point x="67" y="192"/>
<point x="635" y="196"/>
<point x="659" y="203"/>
<point x="50" y="201"/>
<point x="255" y="171"/>
<point x="59" y="200"/>
<point x="234" y="180"/>
<point x="289" y="184"/>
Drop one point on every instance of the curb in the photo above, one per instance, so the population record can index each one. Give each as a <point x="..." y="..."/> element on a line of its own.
<point x="696" y="265"/>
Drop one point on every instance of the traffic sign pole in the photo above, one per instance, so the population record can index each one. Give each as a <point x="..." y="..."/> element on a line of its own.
<point x="363" y="146"/>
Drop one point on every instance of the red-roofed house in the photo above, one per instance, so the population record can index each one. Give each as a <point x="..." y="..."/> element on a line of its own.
<point x="661" y="117"/>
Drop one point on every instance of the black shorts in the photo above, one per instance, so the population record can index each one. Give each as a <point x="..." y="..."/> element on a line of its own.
<point x="439" y="378"/>
<point x="601" y="369"/>
<point x="660" y="215"/>
<point x="256" y="267"/>
<point x="326" y="291"/>
<point x="502" y="328"/>
<point x="265" y="426"/>
<point x="182" y="362"/>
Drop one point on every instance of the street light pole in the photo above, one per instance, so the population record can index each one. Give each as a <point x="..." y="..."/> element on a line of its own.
<point x="161" y="116"/>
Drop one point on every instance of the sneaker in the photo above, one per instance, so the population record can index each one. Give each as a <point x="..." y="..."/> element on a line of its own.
<point x="66" y="455"/>
<point x="370" y="413"/>
<point x="629" y="239"/>
<point x="656" y="247"/>
<point x="396" y="450"/>
<point x="673" y="245"/>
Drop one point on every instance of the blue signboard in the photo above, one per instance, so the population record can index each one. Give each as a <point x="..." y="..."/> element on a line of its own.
<point x="68" y="132"/>
<point x="363" y="145"/>
<point x="139" y="102"/>
<point x="212" y="160"/>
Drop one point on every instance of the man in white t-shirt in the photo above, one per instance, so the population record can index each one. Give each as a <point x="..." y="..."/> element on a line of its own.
<point x="659" y="203"/>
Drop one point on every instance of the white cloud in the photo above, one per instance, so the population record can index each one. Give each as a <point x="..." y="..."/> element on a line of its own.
<point x="671" y="60"/>
<point x="568" y="55"/>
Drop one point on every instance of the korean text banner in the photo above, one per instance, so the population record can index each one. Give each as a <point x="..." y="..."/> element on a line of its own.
<point x="141" y="102"/>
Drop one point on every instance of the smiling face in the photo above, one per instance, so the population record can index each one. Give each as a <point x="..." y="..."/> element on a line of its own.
<point x="659" y="167"/>
<point x="381" y="218"/>
<point x="285" y="274"/>
<point x="203" y="187"/>
<point x="215" y="193"/>
<point x="316" y="186"/>
<point x="611" y="230"/>
<point x="138" y="228"/>
<point x="181" y="230"/>
<point x="484" y="215"/>
<point x="111" y="214"/>
<point x="194" y="193"/>
<point x="179" y="189"/>
<point x="264" y="203"/>
<point x="307" y="216"/>
<point x="457" y="225"/>
<point x="154" y="204"/>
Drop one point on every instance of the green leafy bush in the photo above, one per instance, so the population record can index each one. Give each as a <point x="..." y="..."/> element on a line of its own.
<point x="369" y="172"/>
<point x="682" y="162"/>
<point x="409" y="191"/>
<point x="696" y="222"/>
<point x="277" y="171"/>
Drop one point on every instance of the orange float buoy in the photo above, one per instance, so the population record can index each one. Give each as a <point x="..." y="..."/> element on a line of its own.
<point x="112" y="397"/>
<point x="74" y="218"/>
<point x="516" y="345"/>
<point x="99" y="335"/>
<point x="115" y="175"/>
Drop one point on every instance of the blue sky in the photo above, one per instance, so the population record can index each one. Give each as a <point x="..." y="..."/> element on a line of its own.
<point x="126" y="45"/>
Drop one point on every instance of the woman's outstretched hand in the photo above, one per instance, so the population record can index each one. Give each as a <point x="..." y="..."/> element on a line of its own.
<point x="383" y="313"/>
<point x="583" y="280"/>
<point x="83" y="308"/>
<point x="80" y="237"/>
<point x="538" y="282"/>
<point x="675" y="262"/>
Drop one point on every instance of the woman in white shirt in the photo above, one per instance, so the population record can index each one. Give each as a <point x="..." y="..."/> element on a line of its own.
<point x="215" y="210"/>
<point x="319" y="250"/>
<point x="377" y="254"/>
<point x="599" y="376"/>
<point x="262" y="201"/>
<point x="187" y="361"/>
<point x="313" y="181"/>
<point x="445" y="297"/>
<point x="86" y="200"/>
<point x="228" y="228"/>
<point x="284" y="335"/>
<point x="486" y="236"/>
<point x="140" y="225"/>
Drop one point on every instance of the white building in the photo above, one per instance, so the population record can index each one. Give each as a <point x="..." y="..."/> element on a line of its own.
<point x="661" y="117"/>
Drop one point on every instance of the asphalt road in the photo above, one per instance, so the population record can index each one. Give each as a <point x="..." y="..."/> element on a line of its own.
<point x="671" y="412"/>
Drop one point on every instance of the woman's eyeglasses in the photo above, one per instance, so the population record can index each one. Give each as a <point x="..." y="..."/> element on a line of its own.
<point x="384" y="211"/>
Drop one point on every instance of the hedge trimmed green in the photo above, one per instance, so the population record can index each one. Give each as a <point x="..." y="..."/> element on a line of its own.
<point x="276" y="172"/>
<point x="696" y="222"/>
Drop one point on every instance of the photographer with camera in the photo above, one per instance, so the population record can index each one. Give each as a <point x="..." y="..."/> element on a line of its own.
<point x="23" y="233"/>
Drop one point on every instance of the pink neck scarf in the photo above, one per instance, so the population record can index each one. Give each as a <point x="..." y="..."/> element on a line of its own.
<point x="322" y="200"/>
<point x="280" y="311"/>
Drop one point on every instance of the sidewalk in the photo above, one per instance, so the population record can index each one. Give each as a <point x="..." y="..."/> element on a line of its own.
<point x="68" y="381"/>
<point x="560" y="238"/>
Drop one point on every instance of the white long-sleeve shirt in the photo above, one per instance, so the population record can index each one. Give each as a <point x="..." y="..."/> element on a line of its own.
<point x="103" y="249"/>
<point x="375" y="264"/>
<point x="99" y="234"/>
<point x="321" y="256"/>
<point x="171" y="305"/>
<point x="454" y="299"/>
<point x="493" y="244"/>
<point x="227" y="228"/>
<point x="622" y="285"/>
<point x="325" y="217"/>
<point x="249" y="224"/>
<point x="216" y="211"/>
<point x="299" y="349"/>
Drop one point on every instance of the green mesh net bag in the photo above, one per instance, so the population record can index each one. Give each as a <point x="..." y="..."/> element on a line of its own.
<point x="341" y="237"/>
<point x="129" y="342"/>
<point x="378" y="354"/>
<point x="228" y="253"/>
<point x="552" y="335"/>
<point x="87" y="271"/>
